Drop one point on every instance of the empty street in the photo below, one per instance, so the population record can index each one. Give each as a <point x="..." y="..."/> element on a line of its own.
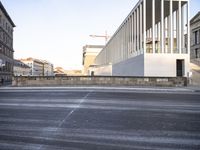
<point x="98" y="119"/>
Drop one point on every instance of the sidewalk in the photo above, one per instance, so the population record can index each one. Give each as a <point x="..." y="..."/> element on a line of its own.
<point x="194" y="88"/>
<point x="188" y="89"/>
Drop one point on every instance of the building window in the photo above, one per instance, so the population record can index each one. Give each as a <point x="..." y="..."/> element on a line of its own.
<point x="199" y="36"/>
<point x="196" y="37"/>
<point x="196" y="53"/>
<point x="1" y="35"/>
<point x="1" y="49"/>
<point x="3" y="23"/>
<point x="4" y="38"/>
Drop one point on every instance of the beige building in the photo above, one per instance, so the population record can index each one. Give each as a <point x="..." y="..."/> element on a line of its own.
<point x="89" y="54"/>
<point x="59" y="71"/>
<point x="48" y="68"/>
<point x="36" y="66"/>
<point x="73" y="72"/>
<point x="195" y="36"/>
<point x="39" y="67"/>
<point x="6" y="45"/>
<point x="21" y="69"/>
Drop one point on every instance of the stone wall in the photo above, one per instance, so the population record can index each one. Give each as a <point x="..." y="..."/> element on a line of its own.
<point x="99" y="81"/>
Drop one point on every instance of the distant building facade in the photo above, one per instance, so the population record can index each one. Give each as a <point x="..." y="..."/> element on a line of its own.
<point x="195" y="36"/>
<point x="89" y="54"/>
<point x="39" y="67"/>
<point x="6" y="45"/>
<point x="21" y="69"/>
<point x="150" y="42"/>
<point x="59" y="71"/>
<point x="48" y="68"/>
<point x="73" y="72"/>
<point x="36" y="66"/>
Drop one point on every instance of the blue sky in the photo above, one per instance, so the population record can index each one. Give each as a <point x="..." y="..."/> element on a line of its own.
<point x="56" y="30"/>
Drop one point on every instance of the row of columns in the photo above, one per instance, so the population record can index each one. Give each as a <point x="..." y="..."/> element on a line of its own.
<point x="128" y="41"/>
<point x="131" y="39"/>
<point x="162" y="32"/>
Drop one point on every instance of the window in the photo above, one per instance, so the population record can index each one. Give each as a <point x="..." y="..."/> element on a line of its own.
<point x="196" y="53"/>
<point x="199" y="36"/>
<point x="4" y="38"/>
<point x="1" y="35"/>
<point x="3" y="22"/>
<point x="196" y="37"/>
<point x="1" y="49"/>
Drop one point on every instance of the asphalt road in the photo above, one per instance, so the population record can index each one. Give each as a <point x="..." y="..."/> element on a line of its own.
<point x="55" y="119"/>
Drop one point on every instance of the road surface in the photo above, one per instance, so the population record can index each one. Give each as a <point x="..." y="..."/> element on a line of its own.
<point x="91" y="119"/>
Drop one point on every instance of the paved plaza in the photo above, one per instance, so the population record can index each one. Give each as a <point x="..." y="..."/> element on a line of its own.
<point x="99" y="119"/>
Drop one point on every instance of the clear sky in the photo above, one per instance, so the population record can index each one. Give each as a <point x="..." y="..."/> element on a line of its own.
<point x="56" y="30"/>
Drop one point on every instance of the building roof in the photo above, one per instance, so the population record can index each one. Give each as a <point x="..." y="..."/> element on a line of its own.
<point x="195" y="18"/>
<point x="32" y="59"/>
<point x="95" y="49"/>
<point x="93" y="46"/>
<point x="6" y="14"/>
<point x="37" y="60"/>
<point x="20" y="64"/>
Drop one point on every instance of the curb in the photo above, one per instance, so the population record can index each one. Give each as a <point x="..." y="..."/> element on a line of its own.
<point x="122" y="89"/>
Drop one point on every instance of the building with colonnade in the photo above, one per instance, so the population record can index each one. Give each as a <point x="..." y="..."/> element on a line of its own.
<point x="150" y="42"/>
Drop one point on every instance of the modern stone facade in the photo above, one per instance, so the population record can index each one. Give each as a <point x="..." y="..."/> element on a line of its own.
<point x="89" y="54"/>
<point x="150" y="41"/>
<point x="195" y="36"/>
<point x="6" y="45"/>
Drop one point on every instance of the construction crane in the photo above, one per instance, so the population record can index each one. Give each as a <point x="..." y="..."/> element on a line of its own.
<point x="106" y="36"/>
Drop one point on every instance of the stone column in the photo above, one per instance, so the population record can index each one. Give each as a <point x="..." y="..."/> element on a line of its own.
<point x="144" y="25"/>
<point x="134" y="31"/>
<point x="188" y="28"/>
<point x="182" y="29"/>
<point x="153" y="25"/>
<point x="179" y="26"/>
<point x="141" y="28"/>
<point x="171" y="27"/>
<point x="162" y="26"/>
<point x="138" y="30"/>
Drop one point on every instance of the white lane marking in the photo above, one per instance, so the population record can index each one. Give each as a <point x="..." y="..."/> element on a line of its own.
<point x="78" y="106"/>
<point x="71" y="112"/>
